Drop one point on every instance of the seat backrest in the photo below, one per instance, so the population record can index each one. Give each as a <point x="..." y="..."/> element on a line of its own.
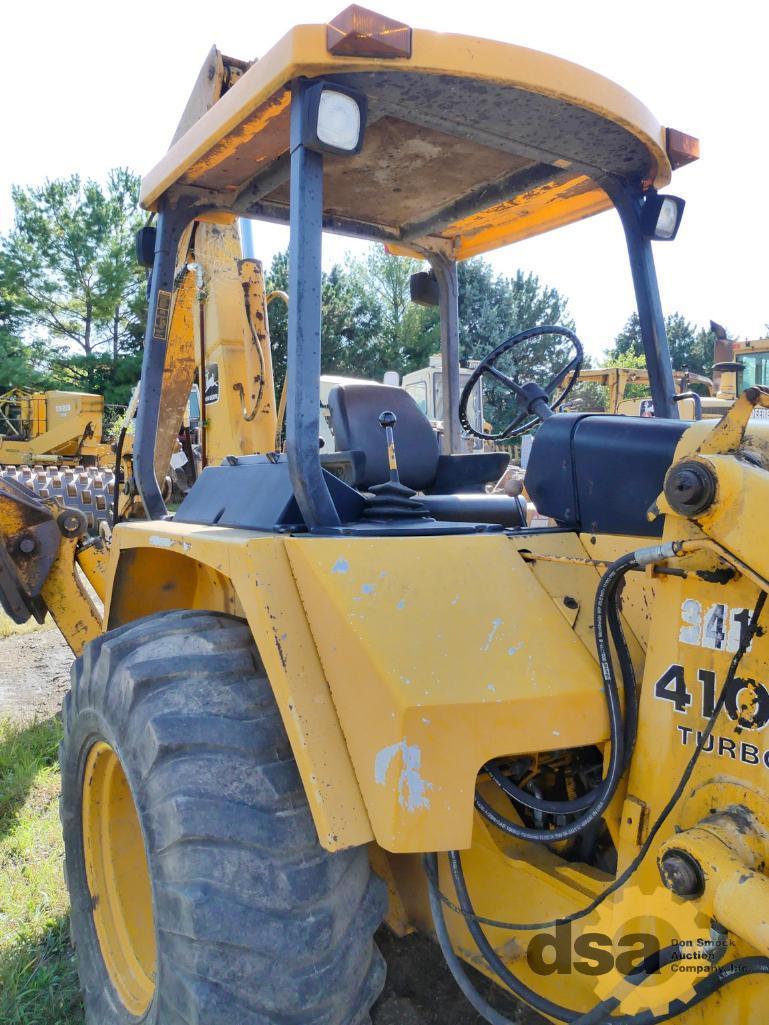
<point x="355" y="410"/>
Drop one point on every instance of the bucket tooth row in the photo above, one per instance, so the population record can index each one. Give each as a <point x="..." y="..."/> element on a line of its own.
<point x="89" y="489"/>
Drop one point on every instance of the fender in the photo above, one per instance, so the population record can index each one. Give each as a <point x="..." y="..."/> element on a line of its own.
<point x="160" y="566"/>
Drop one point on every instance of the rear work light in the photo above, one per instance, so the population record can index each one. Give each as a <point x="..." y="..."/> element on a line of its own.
<point x="357" y="32"/>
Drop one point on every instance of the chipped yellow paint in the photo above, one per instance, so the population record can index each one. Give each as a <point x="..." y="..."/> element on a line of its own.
<point x="247" y="573"/>
<point x="272" y="109"/>
<point x="252" y="117"/>
<point x="546" y="208"/>
<point x="735" y="520"/>
<point x="179" y="368"/>
<point x="68" y="601"/>
<point x="435" y="670"/>
<point x="432" y="719"/>
<point x="229" y="344"/>
<point x="93" y="559"/>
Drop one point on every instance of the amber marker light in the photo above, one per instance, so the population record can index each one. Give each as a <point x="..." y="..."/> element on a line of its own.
<point x="357" y="32"/>
<point x="681" y="148"/>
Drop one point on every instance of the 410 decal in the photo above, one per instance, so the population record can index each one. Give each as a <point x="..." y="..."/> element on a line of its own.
<point x="746" y="701"/>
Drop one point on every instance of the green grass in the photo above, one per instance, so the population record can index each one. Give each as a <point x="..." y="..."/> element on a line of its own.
<point x="38" y="977"/>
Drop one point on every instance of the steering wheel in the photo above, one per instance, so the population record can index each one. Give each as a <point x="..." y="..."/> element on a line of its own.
<point x="537" y="403"/>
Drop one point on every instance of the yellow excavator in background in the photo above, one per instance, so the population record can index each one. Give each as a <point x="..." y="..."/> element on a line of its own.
<point x="53" y="442"/>
<point x="332" y="689"/>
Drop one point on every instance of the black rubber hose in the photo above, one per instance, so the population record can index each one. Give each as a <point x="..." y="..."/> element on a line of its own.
<point x="542" y="1004"/>
<point x="739" y="968"/>
<point x="578" y="804"/>
<point x="603" y="794"/>
<point x="479" y="1003"/>
<point x="538" y="803"/>
<point x="118" y="474"/>
<point x="601" y="1013"/>
<point x="494" y="961"/>
<point x="623" y="877"/>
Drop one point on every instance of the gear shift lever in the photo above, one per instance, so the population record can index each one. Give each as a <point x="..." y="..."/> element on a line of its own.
<point x="387" y="420"/>
<point x="392" y="500"/>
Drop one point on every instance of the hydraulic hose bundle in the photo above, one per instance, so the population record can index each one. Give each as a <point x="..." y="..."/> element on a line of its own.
<point x="592" y="805"/>
<point x="586" y="809"/>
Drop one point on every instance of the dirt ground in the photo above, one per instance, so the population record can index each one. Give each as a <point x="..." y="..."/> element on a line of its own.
<point x="34" y="676"/>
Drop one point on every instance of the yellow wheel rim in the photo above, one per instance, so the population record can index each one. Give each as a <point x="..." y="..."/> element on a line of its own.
<point x="118" y="879"/>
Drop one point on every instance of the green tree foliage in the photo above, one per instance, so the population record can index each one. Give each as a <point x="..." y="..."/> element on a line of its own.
<point x="369" y="324"/>
<point x="691" y="348"/>
<point x="350" y="324"/>
<point x="408" y="333"/>
<point x="68" y="272"/>
<point x="492" y="308"/>
<point x="21" y="363"/>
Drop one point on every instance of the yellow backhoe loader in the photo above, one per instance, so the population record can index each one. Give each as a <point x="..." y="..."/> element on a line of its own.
<point x="336" y="689"/>
<point x="617" y="380"/>
<point x="53" y="442"/>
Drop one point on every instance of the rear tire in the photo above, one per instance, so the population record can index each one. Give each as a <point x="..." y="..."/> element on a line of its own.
<point x="254" y="923"/>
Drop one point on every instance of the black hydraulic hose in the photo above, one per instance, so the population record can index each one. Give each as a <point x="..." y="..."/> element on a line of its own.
<point x="571" y="807"/>
<point x="739" y="968"/>
<point x="118" y="473"/>
<point x="623" y="877"/>
<point x="601" y="1013"/>
<point x="603" y="794"/>
<point x="474" y="998"/>
<point x="540" y="1003"/>
<point x="538" y="803"/>
<point x="629" y="682"/>
<point x="494" y="961"/>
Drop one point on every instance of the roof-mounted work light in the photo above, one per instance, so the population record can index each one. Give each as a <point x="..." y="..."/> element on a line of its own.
<point x="661" y="216"/>
<point x="334" y="118"/>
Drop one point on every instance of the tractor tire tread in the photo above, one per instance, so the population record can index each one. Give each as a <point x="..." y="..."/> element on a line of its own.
<point x="256" y="923"/>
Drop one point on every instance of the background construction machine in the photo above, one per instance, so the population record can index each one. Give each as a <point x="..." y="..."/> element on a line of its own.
<point x="739" y="365"/>
<point x="54" y="443"/>
<point x="618" y="380"/>
<point x="310" y="705"/>
<point x="53" y="427"/>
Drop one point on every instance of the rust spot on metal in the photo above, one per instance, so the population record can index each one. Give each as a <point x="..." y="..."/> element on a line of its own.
<point x="279" y="646"/>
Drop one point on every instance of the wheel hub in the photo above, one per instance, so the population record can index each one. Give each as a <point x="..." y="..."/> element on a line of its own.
<point x="118" y="879"/>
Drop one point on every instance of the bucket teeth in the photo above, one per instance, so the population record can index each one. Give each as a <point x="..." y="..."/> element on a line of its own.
<point x="89" y="489"/>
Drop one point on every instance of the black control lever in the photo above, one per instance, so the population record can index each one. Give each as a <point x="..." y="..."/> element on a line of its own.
<point x="387" y="420"/>
<point x="392" y="500"/>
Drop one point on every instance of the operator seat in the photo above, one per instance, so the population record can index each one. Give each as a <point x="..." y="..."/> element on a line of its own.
<point x="453" y="486"/>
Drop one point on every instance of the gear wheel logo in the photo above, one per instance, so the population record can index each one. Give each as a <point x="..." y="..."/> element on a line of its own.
<point x="634" y="912"/>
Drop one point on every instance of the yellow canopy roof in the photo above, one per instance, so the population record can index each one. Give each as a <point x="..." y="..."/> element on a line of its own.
<point x="471" y="144"/>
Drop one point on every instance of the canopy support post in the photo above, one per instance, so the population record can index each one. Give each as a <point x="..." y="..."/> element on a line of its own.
<point x="445" y="270"/>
